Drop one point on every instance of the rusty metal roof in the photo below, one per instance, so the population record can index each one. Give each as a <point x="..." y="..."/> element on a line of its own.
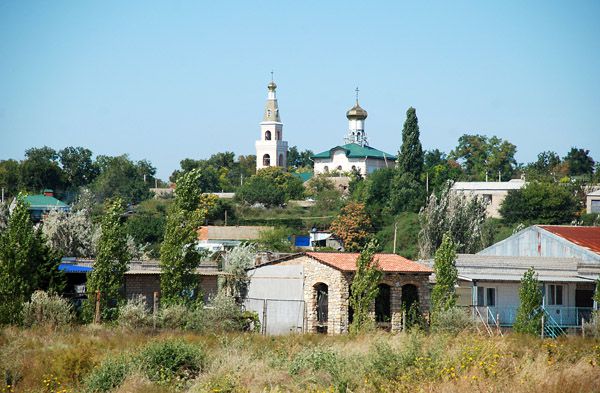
<point x="587" y="237"/>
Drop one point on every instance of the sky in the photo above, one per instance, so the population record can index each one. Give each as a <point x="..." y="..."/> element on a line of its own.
<point x="170" y="80"/>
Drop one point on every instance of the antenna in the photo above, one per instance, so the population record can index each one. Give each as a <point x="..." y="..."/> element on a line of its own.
<point x="356" y="90"/>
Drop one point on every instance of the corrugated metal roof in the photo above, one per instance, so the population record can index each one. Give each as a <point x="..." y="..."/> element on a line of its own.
<point x="513" y="184"/>
<point x="44" y="202"/>
<point x="588" y="237"/>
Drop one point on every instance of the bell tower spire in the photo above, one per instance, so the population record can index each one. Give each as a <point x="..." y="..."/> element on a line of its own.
<point x="271" y="149"/>
<point x="356" y="124"/>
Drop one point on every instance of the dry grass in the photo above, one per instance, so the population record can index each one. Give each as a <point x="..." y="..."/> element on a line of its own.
<point x="377" y="362"/>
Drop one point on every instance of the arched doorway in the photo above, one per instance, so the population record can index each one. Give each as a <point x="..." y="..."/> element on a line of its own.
<point x="383" y="305"/>
<point x="267" y="135"/>
<point x="266" y="160"/>
<point x="410" y="295"/>
<point x="321" y="307"/>
<point x="280" y="160"/>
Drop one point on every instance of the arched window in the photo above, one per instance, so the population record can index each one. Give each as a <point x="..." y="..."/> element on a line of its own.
<point x="339" y="168"/>
<point x="266" y="160"/>
<point x="280" y="160"/>
<point x="326" y="168"/>
<point x="267" y="135"/>
<point x="277" y="135"/>
<point x="321" y="296"/>
<point x="383" y="307"/>
<point x="410" y="295"/>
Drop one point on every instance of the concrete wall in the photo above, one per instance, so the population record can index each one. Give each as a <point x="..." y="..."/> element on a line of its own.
<point x="146" y="284"/>
<point x="593" y="201"/>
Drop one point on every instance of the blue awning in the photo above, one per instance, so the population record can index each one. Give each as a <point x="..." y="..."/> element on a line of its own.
<point x="70" y="268"/>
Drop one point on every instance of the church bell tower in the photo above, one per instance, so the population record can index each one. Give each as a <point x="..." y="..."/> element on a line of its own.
<point x="271" y="149"/>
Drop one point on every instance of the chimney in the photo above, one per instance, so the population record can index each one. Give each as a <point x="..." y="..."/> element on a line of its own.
<point x="48" y="192"/>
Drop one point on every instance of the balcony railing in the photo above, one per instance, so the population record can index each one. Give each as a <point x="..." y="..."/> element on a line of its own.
<point x="563" y="316"/>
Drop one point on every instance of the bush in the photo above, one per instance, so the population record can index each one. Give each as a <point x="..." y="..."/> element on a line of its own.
<point x="170" y="361"/>
<point x="109" y="375"/>
<point x="49" y="310"/>
<point x="592" y="328"/>
<point x="224" y="314"/>
<point x="454" y="320"/>
<point x="134" y="314"/>
<point x="180" y="316"/>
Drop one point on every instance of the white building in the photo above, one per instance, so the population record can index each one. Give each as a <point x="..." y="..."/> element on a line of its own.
<point x="271" y="149"/>
<point x="593" y="202"/>
<point x="355" y="154"/>
<point x="493" y="192"/>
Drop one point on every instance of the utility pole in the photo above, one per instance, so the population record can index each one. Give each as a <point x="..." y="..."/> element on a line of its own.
<point x="395" y="233"/>
<point x="2" y="194"/>
<point x="499" y="178"/>
<point x="427" y="183"/>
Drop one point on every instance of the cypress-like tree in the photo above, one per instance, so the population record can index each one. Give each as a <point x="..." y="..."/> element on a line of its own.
<point x="26" y="263"/>
<point x="179" y="257"/>
<point x="112" y="259"/>
<point x="407" y="191"/>
<point x="443" y="295"/>
<point x="364" y="288"/>
<point x="529" y="313"/>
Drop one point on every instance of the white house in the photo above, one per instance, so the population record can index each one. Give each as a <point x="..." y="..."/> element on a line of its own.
<point x="355" y="154"/>
<point x="593" y="202"/>
<point x="493" y="192"/>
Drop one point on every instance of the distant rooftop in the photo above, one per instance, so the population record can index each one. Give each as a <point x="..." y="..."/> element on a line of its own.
<point x="513" y="184"/>
<point x="357" y="151"/>
<point x="587" y="237"/>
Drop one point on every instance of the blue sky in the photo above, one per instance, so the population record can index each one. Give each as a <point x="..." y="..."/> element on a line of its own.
<point x="170" y="80"/>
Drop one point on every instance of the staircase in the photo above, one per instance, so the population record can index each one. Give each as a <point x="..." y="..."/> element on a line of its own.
<point x="550" y="327"/>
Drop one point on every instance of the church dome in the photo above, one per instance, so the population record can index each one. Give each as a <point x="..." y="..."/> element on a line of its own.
<point x="272" y="86"/>
<point x="356" y="112"/>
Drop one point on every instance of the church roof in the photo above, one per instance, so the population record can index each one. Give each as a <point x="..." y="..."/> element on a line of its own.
<point x="357" y="151"/>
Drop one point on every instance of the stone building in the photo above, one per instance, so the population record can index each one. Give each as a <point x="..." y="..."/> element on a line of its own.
<point x="323" y="282"/>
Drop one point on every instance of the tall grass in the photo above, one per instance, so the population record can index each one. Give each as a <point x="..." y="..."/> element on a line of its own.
<point x="121" y="360"/>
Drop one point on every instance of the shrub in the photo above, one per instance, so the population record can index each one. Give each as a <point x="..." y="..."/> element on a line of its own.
<point x="592" y="328"/>
<point x="319" y="359"/>
<point x="172" y="360"/>
<point x="454" y="320"/>
<point x="109" y="375"/>
<point x="384" y="361"/>
<point x="47" y="309"/>
<point x="134" y="314"/>
<point x="224" y="314"/>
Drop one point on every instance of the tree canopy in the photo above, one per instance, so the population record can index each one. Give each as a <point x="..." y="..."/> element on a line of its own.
<point x="481" y="155"/>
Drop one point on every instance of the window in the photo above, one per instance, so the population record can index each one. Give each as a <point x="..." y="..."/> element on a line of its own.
<point x="555" y="295"/>
<point x="339" y="168"/>
<point x="267" y="135"/>
<point x="487" y="198"/>
<point x="490" y="297"/>
<point x="280" y="160"/>
<point x="268" y="113"/>
<point x="326" y="168"/>
<point x="277" y="135"/>
<point x="266" y="160"/>
<point x="480" y="296"/>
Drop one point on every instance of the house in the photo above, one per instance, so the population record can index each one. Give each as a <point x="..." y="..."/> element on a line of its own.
<point x="355" y="154"/>
<point x="593" y="202"/>
<point x="491" y="284"/>
<point x="492" y="192"/>
<point x="141" y="279"/>
<point x="218" y="238"/>
<point x="565" y="258"/>
<point x="319" y="282"/>
<point x="42" y="204"/>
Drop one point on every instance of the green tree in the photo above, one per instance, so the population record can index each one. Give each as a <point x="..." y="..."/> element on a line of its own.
<point x="443" y="295"/>
<point x="529" y="313"/>
<point x="541" y="203"/>
<point x="439" y="169"/>
<point x="545" y="168"/>
<point x="407" y="191"/>
<point x="364" y="288"/>
<point x="78" y="167"/>
<point x="271" y="187"/>
<point x="481" y="156"/>
<point x="179" y="256"/>
<point x="40" y="170"/>
<point x="121" y="177"/>
<point x="112" y="259"/>
<point x="299" y="159"/>
<point x="26" y="263"/>
<point x="579" y="162"/>
<point x="10" y="177"/>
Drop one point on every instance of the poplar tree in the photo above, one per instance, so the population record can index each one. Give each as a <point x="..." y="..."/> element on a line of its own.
<point x="179" y="256"/>
<point x="112" y="259"/>
<point x="26" y="263"/>
<point x="443" y="295"/>
<point x="408" y="193"/>
<point x="364" y="288"/>
<point x="529" y="313"/>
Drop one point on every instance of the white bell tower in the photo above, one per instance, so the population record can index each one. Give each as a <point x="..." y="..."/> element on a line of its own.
<point x="271" y="149"/>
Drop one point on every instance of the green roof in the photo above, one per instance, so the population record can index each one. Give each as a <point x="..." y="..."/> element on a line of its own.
<point x="357" y="151"/>
<point x="44" y="202"/>
<point x="304" y="176"/>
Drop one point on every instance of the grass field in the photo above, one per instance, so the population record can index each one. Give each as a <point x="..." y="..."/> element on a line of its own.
<point x="90" y="358"/>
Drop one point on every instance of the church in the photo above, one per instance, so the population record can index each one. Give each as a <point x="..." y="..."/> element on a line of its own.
<point x="354" y="155"/>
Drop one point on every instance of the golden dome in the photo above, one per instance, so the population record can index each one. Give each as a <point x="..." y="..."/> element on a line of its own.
<point x="356" y="112"/>
<point x="272" y="86"/>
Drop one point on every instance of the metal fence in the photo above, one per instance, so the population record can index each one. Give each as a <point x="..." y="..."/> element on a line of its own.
<point x="278" y="316"/>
